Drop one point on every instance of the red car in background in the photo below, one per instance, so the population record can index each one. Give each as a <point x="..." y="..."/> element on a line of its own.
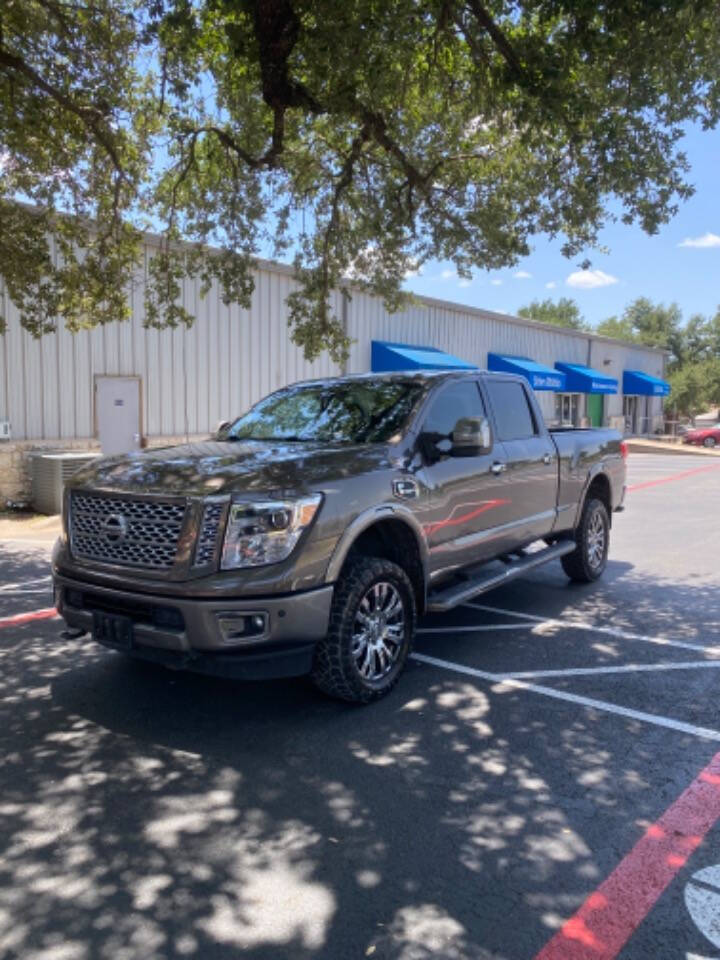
<point x="704" y="436"/>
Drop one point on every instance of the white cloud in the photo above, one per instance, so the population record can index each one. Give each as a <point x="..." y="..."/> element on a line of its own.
<point x="523" y="275"/>
<point x="465" y="283"/>
<point x="496" y="282"/>
<point x="706" y="240"/>
<point x="589" y="279"/>
<point x="550" y="285"/>
<point x="446" y="274"/>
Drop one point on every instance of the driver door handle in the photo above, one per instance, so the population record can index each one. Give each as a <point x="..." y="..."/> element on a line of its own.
<point x="498" y="468"/>
<point x="547" y="458"/>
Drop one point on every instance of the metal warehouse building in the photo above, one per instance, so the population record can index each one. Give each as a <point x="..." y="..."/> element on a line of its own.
<point x="122" y="385"/>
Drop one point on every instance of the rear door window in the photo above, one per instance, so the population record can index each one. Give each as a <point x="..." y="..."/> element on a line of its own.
<point x="514" y="418"/>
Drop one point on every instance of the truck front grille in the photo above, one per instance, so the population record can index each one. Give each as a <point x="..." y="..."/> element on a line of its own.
<point x="208" y="536"/>
<point x="131" y="533"/>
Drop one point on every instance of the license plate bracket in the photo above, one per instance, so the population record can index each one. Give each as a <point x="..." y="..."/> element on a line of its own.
<point x="112" y="630"/>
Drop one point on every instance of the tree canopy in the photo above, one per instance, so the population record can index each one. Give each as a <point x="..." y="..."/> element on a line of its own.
<point x="619" y="328"/>
<point x="693" y="366"/>
<point x="359" y="139"/>
<point x="563" y="313"/>
<point x="657" y="325"/>
<point x="695" y="387"/>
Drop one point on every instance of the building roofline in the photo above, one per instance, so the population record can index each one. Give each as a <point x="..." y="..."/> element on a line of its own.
<point x="273" y="266"/>
<point x="484" y="314"/>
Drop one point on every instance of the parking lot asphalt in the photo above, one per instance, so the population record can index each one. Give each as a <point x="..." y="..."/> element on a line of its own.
<point x="543" y="784"/>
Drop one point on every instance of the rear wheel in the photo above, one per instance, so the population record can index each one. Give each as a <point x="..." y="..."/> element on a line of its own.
<point x="709" y="442"/>
<point x="372" y="623"/>
<point x="592" y="537"/>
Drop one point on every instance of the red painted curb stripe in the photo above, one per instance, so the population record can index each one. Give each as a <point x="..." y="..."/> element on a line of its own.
<point x="673" y="476"/>
<point x="604" y="923"/>
<point x="21" y="618"/>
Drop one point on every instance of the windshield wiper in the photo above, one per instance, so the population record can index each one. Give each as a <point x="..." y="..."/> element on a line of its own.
<point x="289" y="439"/>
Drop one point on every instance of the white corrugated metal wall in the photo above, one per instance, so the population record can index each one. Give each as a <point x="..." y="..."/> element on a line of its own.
<point x="193" y="378"/>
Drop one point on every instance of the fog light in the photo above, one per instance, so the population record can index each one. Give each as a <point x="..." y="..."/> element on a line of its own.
<point x="238" y="628"/>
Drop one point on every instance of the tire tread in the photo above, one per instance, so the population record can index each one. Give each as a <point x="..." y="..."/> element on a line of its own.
<point x="333" y="671"/>
<point x="575" y="564"/>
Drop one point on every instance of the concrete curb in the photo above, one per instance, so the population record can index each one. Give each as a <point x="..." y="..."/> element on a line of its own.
<point x="35" y="529"/>
<point x="658" y="446"/>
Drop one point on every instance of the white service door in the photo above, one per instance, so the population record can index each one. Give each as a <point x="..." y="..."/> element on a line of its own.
<point x="117" y="401"/>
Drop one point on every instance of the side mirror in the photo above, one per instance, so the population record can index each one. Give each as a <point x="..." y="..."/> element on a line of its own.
<point x="471" y="437"/>
<point x="221" y="426"/>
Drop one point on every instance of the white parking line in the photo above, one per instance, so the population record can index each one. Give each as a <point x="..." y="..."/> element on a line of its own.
<point x="485" y="626"/>
<point x="15" y="588"/>
<point x="23" y="593"/>
<point x="625" y="668"/>
<point x="704" y="733"/>
<point x="594" y="628"/>
<point x="44" y="579"/>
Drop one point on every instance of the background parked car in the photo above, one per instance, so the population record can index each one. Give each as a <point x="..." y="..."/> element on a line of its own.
<point x="704" y="437"/>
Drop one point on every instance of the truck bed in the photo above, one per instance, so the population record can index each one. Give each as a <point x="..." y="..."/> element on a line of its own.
<point x="580" y="451"/>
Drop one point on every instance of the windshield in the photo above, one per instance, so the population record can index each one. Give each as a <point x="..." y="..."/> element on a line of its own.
<point x="354" y="411"/>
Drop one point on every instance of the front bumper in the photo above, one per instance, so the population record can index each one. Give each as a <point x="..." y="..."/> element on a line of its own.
<point x="197" y="635"/>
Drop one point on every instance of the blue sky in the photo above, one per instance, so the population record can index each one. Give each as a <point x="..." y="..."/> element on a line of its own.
<point x="658" y="267"/>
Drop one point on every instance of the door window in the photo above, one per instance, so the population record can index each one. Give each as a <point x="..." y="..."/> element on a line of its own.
<point x="513" y="417"/>
<point x="458" y="400"/>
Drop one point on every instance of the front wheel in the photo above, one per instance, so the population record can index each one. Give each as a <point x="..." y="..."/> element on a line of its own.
<point x="592" y="537"/>
<point x="372" y="624"/>
<point x="709" y="442"/>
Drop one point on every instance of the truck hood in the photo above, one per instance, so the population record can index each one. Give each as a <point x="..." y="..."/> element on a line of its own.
<point x="216" y="467"/>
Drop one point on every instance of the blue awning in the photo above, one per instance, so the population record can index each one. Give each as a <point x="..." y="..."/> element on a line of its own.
<point x="580" y="379"/>
<point x="637" y="383"/>
<point x="538" y="376"/>
<point x="402" y="356"/>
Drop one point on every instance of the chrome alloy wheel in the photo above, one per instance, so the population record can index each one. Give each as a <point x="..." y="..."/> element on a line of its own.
<point x="596" y="540"/>
<point x="378" y="631"/>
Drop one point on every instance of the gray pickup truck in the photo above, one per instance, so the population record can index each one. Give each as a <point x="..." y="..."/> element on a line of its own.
<point x="307" y="536"/>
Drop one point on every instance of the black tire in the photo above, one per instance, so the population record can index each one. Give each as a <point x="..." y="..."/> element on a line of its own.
<point x="336" y="668"/>
<point x="585" y="564"/>
<point x="709" y="442"/>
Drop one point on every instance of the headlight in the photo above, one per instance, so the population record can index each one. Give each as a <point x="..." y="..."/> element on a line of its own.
<point x="265" y="531"/>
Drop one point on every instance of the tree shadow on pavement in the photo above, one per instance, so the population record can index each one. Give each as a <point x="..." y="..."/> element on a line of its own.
<point x="624" y="599"/>
<point x="149" y="814"/>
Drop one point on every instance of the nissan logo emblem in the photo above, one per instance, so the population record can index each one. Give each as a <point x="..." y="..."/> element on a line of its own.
<point x="115" y="528"/>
